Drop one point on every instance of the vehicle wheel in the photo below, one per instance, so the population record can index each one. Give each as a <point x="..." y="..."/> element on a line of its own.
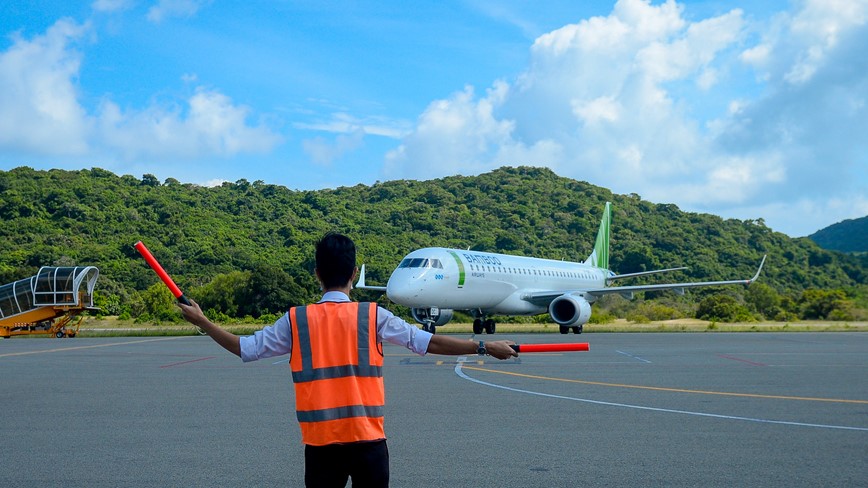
<point x="565" y="329"/>
<point x="489" y="326"/>
<point x="577" y="329"/>
<point x="70" y="335"/>
<point x="477" y="326"/>
<point x="58" y="334"/>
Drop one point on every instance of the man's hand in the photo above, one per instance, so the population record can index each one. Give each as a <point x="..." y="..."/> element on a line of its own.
<point x="193" y="314"/>
<point x="500" y="349"/>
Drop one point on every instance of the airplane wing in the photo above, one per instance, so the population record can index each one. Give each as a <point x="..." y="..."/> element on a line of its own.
<point x="643" y="273"/>
<point x="545" y="297"/>
<point x="361" y="283"/>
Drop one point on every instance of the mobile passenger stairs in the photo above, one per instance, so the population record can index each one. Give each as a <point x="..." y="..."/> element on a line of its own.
<point x="48" y="303"/>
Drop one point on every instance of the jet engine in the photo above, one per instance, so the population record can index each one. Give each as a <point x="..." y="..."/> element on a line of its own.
<point x="571" y="309"/>
<point x="431" y="317"/>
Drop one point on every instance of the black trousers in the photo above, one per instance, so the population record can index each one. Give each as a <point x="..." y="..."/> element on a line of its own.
<point x="367" y="463"/>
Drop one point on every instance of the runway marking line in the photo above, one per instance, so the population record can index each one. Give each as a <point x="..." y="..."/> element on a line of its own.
<point x="637" y="358"/>
<point x="171" y="365"/>
<point x="674" y="390"/>
<point x="752" y="363"/>
<point x="75" y="348"/>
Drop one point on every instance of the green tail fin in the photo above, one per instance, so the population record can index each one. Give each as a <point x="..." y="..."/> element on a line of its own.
<point x="600" y="256"/>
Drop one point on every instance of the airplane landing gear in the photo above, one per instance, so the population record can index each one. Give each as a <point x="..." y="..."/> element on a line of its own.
<point x="488" y="325"/>
<point x="431" y="317"/>
<point x="577" y="329"/>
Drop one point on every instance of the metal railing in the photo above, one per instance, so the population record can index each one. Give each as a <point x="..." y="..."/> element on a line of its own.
<point x="51" y="287"/>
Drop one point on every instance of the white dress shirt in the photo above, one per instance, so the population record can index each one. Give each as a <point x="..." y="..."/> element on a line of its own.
<point x="276" y="339"/>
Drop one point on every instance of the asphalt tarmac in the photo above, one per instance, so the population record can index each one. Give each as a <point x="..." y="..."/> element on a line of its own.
<point x="704" y="409"/>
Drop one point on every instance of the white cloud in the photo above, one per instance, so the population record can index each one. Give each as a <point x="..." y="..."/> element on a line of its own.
<point x="592" y="89"/>
<point x="323" y="152"/>
<point x="210" y="124"/>
<point x="640" y="101"/>
<point x="797" y="44"/>
<point x="111" y="5"/>
<point x="40" y="111"/>
<point x="459" y="135"/>
<point x="214" y="182"/>
<point x="601" y="109"/>
<point x="39" y="108"/>
<point x="174" y="8"/>
<point x="344" y="123"/>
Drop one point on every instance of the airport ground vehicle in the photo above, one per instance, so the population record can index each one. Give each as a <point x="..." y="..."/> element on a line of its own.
<point x="48" y="303"/>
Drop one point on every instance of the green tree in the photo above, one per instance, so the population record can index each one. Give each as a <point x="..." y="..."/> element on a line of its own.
<point x="270" y="290"/>
<point x="159" y="304"/>
<point x="225" y="293"/>
<point x="763" y="299"/>
<point x="819" y="304"/>
<point x="723" y="308"/>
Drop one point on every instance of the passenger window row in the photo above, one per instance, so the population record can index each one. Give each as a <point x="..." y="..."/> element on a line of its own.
<point x="531" y="272"/>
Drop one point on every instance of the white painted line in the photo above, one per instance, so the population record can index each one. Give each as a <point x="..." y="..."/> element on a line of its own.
<point x="634" y="357"/>
<point x="463" y="375"/>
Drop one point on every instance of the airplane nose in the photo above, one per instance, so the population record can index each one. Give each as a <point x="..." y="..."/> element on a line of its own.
<point x="400" y="290"/>
<point x="396" y="293"/>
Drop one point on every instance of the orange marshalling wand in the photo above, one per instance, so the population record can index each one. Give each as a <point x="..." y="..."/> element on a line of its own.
<point x="578" y="346"/>
<point x="152" y="262"/>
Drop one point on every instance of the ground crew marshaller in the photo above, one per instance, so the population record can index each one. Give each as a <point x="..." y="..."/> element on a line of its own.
<point x="336" y="358"/>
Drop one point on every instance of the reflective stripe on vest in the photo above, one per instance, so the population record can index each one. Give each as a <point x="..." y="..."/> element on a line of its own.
<point x="339" y="413"/>
<point x="309" y="373"/>
<point x="338" y="380"/>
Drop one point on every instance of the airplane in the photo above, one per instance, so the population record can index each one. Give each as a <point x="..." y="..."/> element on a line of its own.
<point x="434" y="281"/>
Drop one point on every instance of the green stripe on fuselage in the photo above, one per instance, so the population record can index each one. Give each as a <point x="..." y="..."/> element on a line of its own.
<point x="460" y="269"/>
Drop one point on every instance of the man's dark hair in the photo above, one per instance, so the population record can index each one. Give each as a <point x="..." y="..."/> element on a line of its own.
<point x="335" y="259"/>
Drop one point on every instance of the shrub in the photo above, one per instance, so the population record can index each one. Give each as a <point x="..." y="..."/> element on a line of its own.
<point x="723" y="308"/>
<point x="824" y="304"/>
<point x="601" y="317"/>
<point x="638" y="318"/>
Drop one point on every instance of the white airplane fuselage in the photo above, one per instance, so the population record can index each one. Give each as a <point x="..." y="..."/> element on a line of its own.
<point x="487" y="282"/>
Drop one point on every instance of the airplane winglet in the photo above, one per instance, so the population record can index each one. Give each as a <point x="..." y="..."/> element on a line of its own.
<point x="756" y="276"/>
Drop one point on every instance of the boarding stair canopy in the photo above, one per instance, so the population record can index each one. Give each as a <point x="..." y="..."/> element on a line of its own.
<point x="54" y="293"/>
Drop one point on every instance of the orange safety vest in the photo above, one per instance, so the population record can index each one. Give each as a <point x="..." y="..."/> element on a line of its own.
<point x="337" y="370"/>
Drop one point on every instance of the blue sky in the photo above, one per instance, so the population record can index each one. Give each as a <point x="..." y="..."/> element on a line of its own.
<point x="741" y="109"/>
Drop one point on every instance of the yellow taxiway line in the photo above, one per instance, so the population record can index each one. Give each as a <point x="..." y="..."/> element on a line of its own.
<point x="74" y="348"/>
<point x="674" y="390"/>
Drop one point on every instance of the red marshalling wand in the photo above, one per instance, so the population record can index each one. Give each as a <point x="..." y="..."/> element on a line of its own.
<point x="152" y="262"/>
<point x="578" y="346"/>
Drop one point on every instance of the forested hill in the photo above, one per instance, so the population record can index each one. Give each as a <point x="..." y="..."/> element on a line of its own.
<point x="847" y="236"/>
<point x="93" y="217"/>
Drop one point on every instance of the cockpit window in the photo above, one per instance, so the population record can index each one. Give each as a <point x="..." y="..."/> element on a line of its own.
<point x="421" y="263"/>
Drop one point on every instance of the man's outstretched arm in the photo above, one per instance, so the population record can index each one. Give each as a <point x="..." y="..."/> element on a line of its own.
<point x="193" y="314"/>
<point x="452" y="346"/>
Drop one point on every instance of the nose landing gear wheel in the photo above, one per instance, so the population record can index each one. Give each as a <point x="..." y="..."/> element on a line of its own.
<point x="490" y="326"/>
